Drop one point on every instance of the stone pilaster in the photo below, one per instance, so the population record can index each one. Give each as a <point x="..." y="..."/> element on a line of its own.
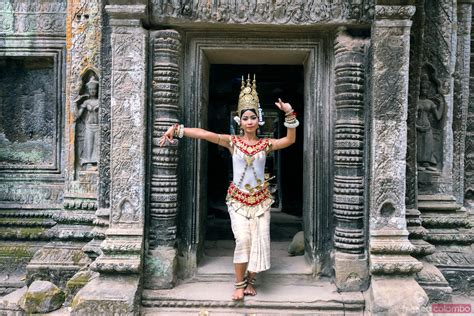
<point x="161" y="257"/>
<point x="429" y="278"/>
<point x="350" y="258"/>
<point x="393" y="288"/>
<point x="123" y="247"/>
<point x="443" y="192"/>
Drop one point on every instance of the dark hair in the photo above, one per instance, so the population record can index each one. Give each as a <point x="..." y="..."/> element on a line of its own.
<point x="245" y="110"/>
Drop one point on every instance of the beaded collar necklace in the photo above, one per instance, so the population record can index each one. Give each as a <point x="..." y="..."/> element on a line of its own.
<point x="250" y="150"/>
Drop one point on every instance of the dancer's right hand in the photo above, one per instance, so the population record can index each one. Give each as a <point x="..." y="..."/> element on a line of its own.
<point x="168" y="136"/>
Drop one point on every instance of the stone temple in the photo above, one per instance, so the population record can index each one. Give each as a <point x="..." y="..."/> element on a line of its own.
<point x="97" y="219"/>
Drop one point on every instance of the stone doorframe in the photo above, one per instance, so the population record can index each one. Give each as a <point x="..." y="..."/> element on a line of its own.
<point x="314" y="52"/>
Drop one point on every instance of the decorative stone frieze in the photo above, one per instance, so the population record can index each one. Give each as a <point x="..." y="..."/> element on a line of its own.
<point x="292" y="12"/>
<point x="33" y="17"/>
<point x="389" y="246"/>
<point x="351" y="266"/>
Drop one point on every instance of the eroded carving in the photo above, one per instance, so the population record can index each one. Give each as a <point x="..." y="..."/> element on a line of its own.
<point x="87" y="122"/>
<point x="261" y="11"/>
<point x="28" y="113"/>
<point x="128" y="211"/>
<point x="431" y="107"/>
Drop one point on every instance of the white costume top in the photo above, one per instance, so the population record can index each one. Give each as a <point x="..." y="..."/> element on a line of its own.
<point x="248" y="193"/>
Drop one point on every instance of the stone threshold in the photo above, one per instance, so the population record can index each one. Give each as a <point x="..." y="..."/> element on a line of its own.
<point x="320" y="296"/>
<point x="289" y="287"/>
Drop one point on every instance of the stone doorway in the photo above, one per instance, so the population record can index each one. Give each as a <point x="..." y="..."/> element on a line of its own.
<point x="204" y="54"/>
<point x="273" y="81"/>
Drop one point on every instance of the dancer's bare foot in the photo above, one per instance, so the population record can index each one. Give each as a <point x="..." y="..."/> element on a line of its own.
<point x="239" y="290"/>
<point x="238" y="294"/>
<point x="250" y="290"/>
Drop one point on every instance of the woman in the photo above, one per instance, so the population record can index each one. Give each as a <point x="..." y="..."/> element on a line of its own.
<point x="248" y="197"/>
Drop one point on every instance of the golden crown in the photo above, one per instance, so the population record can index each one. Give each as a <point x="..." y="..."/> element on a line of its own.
<point x="248" y="98"/>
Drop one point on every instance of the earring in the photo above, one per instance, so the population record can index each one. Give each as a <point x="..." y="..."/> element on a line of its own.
<point x="242" y="132"/>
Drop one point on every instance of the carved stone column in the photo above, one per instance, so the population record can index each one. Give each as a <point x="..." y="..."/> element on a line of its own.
<point x="120" y="264"/>
<point x="161" y="257"/>
<point x="393" y="288"/>
<point x="350" y="260"/>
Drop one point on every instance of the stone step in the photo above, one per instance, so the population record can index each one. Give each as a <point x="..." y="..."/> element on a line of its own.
<point x="285" y="269"/>
<point x="273" y="297"/>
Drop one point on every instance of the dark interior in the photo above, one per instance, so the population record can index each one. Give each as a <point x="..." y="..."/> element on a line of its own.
<point x="273" y="82"/>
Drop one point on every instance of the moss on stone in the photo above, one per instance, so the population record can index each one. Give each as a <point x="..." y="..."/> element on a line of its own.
<point x="76" y="257"/>
<point x="15" y="252"/>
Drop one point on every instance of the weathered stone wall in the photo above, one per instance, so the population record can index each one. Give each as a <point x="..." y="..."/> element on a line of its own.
<point x="32" y="142"/>
<point x="32" y="63"/>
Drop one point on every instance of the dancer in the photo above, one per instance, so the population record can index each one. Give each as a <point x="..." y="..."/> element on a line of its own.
<point x="248" y="198"/>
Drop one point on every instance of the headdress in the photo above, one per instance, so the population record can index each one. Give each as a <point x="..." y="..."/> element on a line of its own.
<point x="92" y="82"/>
<point x="248" y="99"/>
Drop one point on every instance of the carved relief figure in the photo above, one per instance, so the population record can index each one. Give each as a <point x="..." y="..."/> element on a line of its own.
<point x="87" y="117"/>
<point x="429" y="109"/>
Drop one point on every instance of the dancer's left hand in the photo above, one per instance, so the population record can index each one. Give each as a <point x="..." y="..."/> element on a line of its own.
<point x="285" y="107"/>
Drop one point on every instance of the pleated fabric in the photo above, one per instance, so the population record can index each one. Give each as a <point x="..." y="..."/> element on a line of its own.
<point x="252" y="238"/>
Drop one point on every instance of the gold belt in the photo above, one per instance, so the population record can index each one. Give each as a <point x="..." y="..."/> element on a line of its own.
<point x="246" y="198"/>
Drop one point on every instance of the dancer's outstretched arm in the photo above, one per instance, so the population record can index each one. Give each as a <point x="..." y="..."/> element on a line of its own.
<point x="177" y="130"/>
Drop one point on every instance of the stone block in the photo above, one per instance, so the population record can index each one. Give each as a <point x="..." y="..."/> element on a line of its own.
<point x="351" y="272"/>
<point x="296" y="247"/>
<point x="160" y="266"/>
<point x="77" y="282"/>
<point x="42" y="297"/>
<point x="57" y="262"/>
<point x="108" y="295"/>
<point x="434" y="283"/>
<point x="10" y="304"/>
<point x="396" y="296"/>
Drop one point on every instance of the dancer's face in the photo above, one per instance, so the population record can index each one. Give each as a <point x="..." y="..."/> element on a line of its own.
<point x="249" y="122"/>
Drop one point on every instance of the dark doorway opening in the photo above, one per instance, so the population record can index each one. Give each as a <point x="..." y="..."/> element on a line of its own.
<point x="273" y="82"/>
